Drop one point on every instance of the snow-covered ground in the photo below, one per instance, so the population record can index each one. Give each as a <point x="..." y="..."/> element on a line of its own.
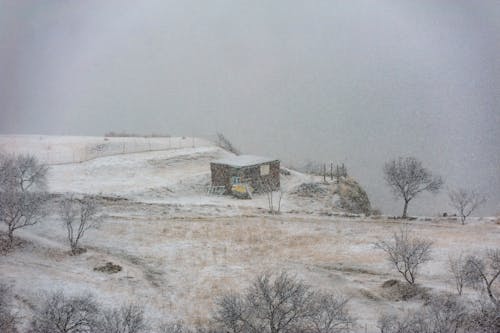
<point x="180" y="248"/>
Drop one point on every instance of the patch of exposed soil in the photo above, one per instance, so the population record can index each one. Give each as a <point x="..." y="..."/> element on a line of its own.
<point x="109" y="268"/>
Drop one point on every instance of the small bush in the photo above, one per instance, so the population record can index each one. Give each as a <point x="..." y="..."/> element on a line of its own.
<point x="7" y="317"/>
<point x="353" y="197"/>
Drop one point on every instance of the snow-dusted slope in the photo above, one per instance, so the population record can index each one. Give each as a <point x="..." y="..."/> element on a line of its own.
<point x="139" y="169"/>
<point x="135" y="174"/>
<point x="72" y="149"/>
<point x="181" y="248"/>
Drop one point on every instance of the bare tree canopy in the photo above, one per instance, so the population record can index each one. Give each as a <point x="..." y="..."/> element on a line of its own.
<point x="457" y="268"/>
<point x="406" y="253"/>
<point x="78" y="216"/>
<point x="407" y="178"/>
<point x="63" y="314"/>
<point x="22" y="196"/>
<point x="283" y="304"/>
<point x="59" y="313"/>
<point x="23" y="172"/>
<point x="126" y="319"/>
<point x="465" y="201"/>
<point x="483" y="271"/>
<point x="329" y="314"/>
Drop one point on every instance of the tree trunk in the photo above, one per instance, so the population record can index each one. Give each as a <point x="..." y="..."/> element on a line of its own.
<point x="10" y="234"/>
<point x="405" y="209"/>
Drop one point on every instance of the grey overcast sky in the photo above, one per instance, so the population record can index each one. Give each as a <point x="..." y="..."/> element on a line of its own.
<point x="358" y="82"/>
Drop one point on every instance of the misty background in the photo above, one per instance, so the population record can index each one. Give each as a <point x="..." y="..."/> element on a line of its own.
<point x="359" y="82"/>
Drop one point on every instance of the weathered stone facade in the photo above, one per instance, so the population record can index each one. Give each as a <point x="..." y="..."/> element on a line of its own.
<point x="260" y="173"/>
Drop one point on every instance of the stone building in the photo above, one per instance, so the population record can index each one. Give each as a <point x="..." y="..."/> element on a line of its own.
<point x="260" y="173"/>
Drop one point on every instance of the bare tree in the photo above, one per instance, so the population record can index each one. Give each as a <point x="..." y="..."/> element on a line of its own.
<point x="457" y="268"/>
<point x="62" y="314"/>
<point x="465" y="201"/>
<point x="272" y="304"/>
<point x="407" y="178"/>
<point x="226" y="144"/>
<point x="22" y="195"/>
<point x="233" y="314"/>
<point x="406" y="253"/>
<point x="8" y="319"/>
<point x="274" y="195"/>
<point x="78" y="215"/>
<point x="483" y="272"/>
<point x="127" y="319"/>
<point x="23" y="172"/>
<point x="329" y="314"/>
<point x="282" y="304"/>
<point x="278" y="303"/>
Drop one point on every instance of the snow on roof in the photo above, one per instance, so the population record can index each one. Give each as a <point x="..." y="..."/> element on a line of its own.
<point x="244" y="160"/>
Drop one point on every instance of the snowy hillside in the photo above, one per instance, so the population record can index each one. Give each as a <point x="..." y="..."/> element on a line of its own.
<point x="150" y="170"/>
<point x="180" y="248"/>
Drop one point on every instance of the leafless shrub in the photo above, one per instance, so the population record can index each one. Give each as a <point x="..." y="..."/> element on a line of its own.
<point x="482" y="272"/>
<point x="233" y="313"/>
<point x="127" y="319"/>
<point x="62" y="314"/>
<point x="274" y="195"/>
<point x="465" y="202"/>
<point x="226" y="144"/>
<point x="22" y="196"/>
<point x="406" y="253"/>
<point x="282" y="304"/>
<point x="271" y="304"/>
<point x="484" y="318"/>
<point x="22" y="172"/>
<point x="329" y="314"/>
<point x="78" y="216"/>
<point x="177" y="327"/>
<point x="457" y="268"/>
<point x="442" y="314"/>
<point x="390" y="323"/>
<point x="8" y="319"/>
<point x="407" y="178"/>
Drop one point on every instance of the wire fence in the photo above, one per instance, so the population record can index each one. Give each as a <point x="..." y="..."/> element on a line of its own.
<point x="50" y="152"/>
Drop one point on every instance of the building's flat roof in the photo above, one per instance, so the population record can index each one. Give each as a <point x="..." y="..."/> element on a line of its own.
<point x="244" y="160"/>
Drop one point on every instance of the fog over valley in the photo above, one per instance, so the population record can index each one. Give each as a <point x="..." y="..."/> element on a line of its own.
<point x="358" y="82"/>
